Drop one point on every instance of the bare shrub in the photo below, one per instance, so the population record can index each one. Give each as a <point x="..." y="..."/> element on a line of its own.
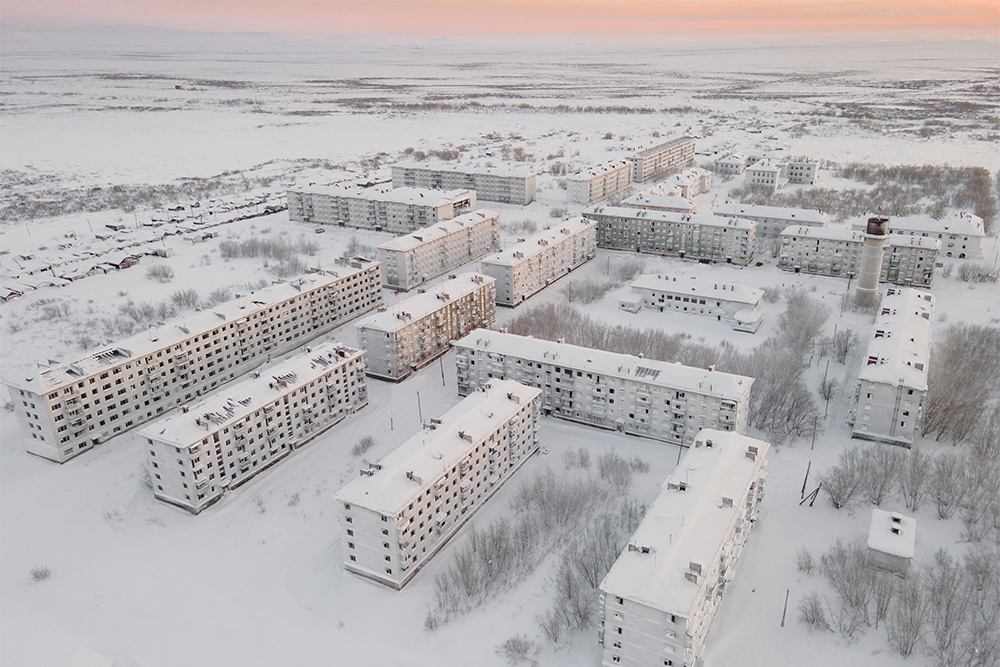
<point x="355" y="248"/>
<point x="258" y="503"/>
<point x="615" y="470"/>
<point x="519" y="650"/>
<point x="974" y="272"/>
<point x="185" y="298"/>
<point x="904" y="622"/>
<point x="804" y="561"/>
<point x="586" y="290"/>
<point x="217" y="296"/>
<point x="946" y="484"/>
<point x="40" y="573"/>
<point x="811" y="612"/>
<point x="363" y="445"/>
<point x="879" y="468"/>
<point x="843" y="342"/>
<point x="287" y="268"/>
<point x="845" y="567"/>
<point x="161" y="273"/>
<point x="843" y="481"/>
<point x="557" y="212"/>
<point x="524" y="226"/>
<point x="772" y="294"/>
<point x="913" y="478"/>
<point x="639" y="464"/>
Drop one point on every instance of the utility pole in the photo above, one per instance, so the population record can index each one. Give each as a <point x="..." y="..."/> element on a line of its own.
<point x="420" y="412"/>
<point x="815" y="422"/>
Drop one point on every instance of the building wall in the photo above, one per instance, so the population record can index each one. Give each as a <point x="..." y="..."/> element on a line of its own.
<point x="803" y="172"/>
<point x="711" y="303"/>
<point x="902" y="264"/>
<point x="602" y="182"/>
<point x="375" y="211"/>
<point x="666" y="157"/>
<point x="506" y="188"/>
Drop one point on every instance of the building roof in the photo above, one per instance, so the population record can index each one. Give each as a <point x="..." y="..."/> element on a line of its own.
<point x="892" y="533"/>
<point x="679" y="284"/>
<point x="733" y="158"/>
<point x="644" y="199"/>
<point x="641" y="152"/>
<point x="406" y="195"/>
<point x="236" y="401"/>
<point x="406" y="471"/>
<point x="703" y="219"/>
<point x="437" y="231"/>
<point x="963" y="224"/>
<point x="505" y="171"/>
<point x="537" y="243"/>
<point x="600" y="170"/>
<point x="901" y="339"/>
<point x="417" y="307"/>
<point x="623" y="366"/>
<point x="764" y="166"/>
<point x="685" y="527"/>
<point x="792" y="215"/>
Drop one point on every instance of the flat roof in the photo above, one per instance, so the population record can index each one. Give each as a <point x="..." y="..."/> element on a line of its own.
<point x="659" y="148"/>
<point x="960" y="225"/>
<point x="892" y="533"/>
<point x="537" y="243"/>
<point x="715" y="289"/>
<point x="417" y="307"/>
<point x="406" y="195"/>
<point x="803" y="215"/>
<point x="901" y="339"/>
<point x="850" y="235"/>
<point x="703" y="219"/>
<point x="438" y="230"/>
<point x="656" y="199"/>
<point x="603" y="168"/>
<point x="505" y="171"/>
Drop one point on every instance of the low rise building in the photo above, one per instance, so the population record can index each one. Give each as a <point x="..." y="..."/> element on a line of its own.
<point x="661" y="197"/>
<point x="699" y="236"/>
<point x="801" y="171"/>
<point x="510" y="185"/>
<point x="611" y="179"/>
<point x="961" y="235"/>
<point x="531" y="265"/>
<point x="660" y="597"/>
<point x="766" y="176"/>
<point x="772" y="220"/>
<point x="732" y="165"/>
<point x="410" y="260"/>
<point x="417" y="331"/>
<point x="195" y="456"/>
<point x="891" y="539"/>
<point x="893" y="377"/>
<point x="655" y="399"/>
<point x="404" y="509"/>
<point x="648" y="163"/>
<point x="726" y="302"/>
<point x="399" y="211"/>
<point x="690" y="182"/>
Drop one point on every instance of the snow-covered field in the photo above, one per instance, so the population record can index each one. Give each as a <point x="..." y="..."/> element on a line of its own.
<point x="257" y="578"/>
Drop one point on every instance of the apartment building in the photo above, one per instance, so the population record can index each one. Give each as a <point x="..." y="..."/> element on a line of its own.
<point x="68" y="408"/>
<point x="735" y="304"/>
<point x="655" y="399"/>
<point x="403" y="509"/>
<point x="698" y="236"/>
<point x="766" y="176"/>
<point x="611" y="179"/>
<point x="732" y="165"/>
<point x="531" y="265"/>
<point x="691" y="181"/>
<point x="893" y="377"/>
<point x="661" y="197"/>
<point x="907" y="260"/>
<point x="661" y="595"/>
<point x="801" y="171"/>
<point x="195" y="456"/>
<point x="648" y="163"/>
<point x="772" y="220"/>
<point x="417" y="331"/>
<point x="961" y="235"/>
<point x="399" y="211"/>
<point x="501" y="184"/>
<point x="411" y="260"/>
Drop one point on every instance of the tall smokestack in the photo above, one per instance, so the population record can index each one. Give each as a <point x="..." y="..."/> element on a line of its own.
<point x="876" y="236"/>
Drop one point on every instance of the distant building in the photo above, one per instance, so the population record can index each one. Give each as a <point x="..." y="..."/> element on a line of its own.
<point x="772" y="219"/>
<point x="690" y="182"/>
<point x="399" y="211"/>
<point x="765" y="175"/>
<point x="735" y="304"/>
<point x="801" y="171"/>
<point x="648" y="163"/>
<point x="409" y="261"/>
<point x="732" y="165"/>
<point x="611" y="179"/>
<point x="661" y="595"/>
<point x="891" y="539"/>
<point x="655" y="399"/>
<point x="661" y="197"/>
<point x="404" y="508"/>
<point x="698" y="236"/>
<point x="531" y="265"/>
<point x="893" y="377"/>
<point x="414" y="332"/>
<point x="501" y="184"/>
<point x="195" y="456"/>
<point x="961" y="236"/>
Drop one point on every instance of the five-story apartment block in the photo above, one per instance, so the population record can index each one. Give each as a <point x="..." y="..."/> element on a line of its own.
<point x="590" y="186"/>
<point x="398" y="211"/>
<point x="507" y="185"/>
<point x="648" y="163"/>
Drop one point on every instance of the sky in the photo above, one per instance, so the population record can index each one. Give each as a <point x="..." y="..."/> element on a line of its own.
<point x="518" y="17"/>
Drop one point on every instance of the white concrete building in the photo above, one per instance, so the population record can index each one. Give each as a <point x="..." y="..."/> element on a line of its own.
<point x="409" y="261"/>
<point x="733" y="164"/>
<point x="772" y="219"/>
<point x="415" y="332"/>
<point x="691" y="182"/>
<point x="726" y="302"/>
<point x="801" y="171"/>
<point x="661" y="595"/>
<point x="195" y="456"/>
<point x="531" y="265"/>
<point x="655" y="399"/>
<point x="68" y="408"/>
<point x="405" y="508"/>
<point x="611" y="179"/>
<point x="699" y="236"/>
<point x="399" y="211"/>
<point x="893" y="377"/>
<point x="661" y="197"/>
<point x="961" y="235"/>
<point x="891" y="539"/>
<point x="648" y="163"/>
<point x="766" y="176"/>
<point x="510" y="185"/>
<point x="908" y="260"/>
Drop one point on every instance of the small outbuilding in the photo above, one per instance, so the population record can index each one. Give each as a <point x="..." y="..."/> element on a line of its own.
<point x="632" y="303"/>
<point x="890" y="542"/>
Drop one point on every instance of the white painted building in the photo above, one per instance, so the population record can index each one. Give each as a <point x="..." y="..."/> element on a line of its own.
<point x="531" y="265"/>
<point x="418" y="330"/>
<point x="726" y="302"/>
<point x="893" y="377"/>
<point x="766" y="176"/>
<point x="691" y="182"/>
<point x="611" y="179"/>
<point x="410" y="260"/>
<point x="195" y="456"/>
<point x="510" y="185"/>
<point x="661" y="595"/>
<point x="655" y="399"/>
<point x="961" y="235"/>
<point x="801" y="171"/>
<point x="68" y="408"/>
<point x="699" y="236"/>
<point x="399" y="211"/>
<point x="772" y="219"/>
<point x="733" y="164"/>
<point x="661" y="197"/>
<point x="648" y="163"/>
<point x="891" y="540"/>
<point x="403" y="509"/>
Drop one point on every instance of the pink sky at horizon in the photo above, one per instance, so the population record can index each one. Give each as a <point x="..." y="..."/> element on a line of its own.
<point x="518" y="17"/>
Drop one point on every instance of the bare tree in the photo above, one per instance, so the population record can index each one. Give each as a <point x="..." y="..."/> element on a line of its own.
<point x="946" y="484"/>
<point x="883" y="590"/>
<point x="913" y="477"/>
<point x="843" y="480"/>
<point x="845" y="567"/>
<point x="904" y="624"/>
<point x="948" y="604"/>
<point x="843" y="342"/>
<point x="879" y="468"/>
<point x="802" y="321"/>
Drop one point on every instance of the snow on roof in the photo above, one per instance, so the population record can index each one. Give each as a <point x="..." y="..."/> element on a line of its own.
<point x="417" y="307"/>
<point x="438" y="231"/>
<point x="764" y="166"/>
<point x="734" y="158"/>
<point x="963" y="224"/>
<point x="537" y="243"/>
<point x="901" y="339"/>
<point x="623" y="366"/>
<point x="641" y="152"/>
<point x="235" y="401"/>
<point x="413" y="466"/>
<point x="406" y="195"/>
<point x="689" y="175"/>
<point x="506" y="171"/>
<point x="600" y="170"/>
<point x="685" y="527"/>
<point x="702" y="219"/>
<point x="644" y="199"/>
<point x="84" y="657"/>
<point x="791" y="215"/>
<point x="826" y="233"/>
<point x="699" y="287"/>
<point x="892" y="533"/>
<point x="180" y="329"/>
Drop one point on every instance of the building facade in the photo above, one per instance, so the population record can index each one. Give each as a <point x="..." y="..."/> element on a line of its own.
<point x="661" y="197"/>
<point x="402" y="510"/>
<point x="399" y="211"/>
<point x="611" y="179"/>
<point x="655" y="399"/>
<point x="801" y="171"/>
<point x="417" y="331"/>
<point x="699" y="236"/>
<point x="195" y="456"/>
<point x="531" y="265"/>
<point x="510" y="186"/>
<point x="893" y="377"/>
<point x="691" y="181"/>
<point x="661" y="595"/>
<point x="772" y="220"/>
<point x="648" y="163"/>
<point x="732" y="165"/>
<point x="70" y="407"/>
<point x="961" y="236"/>
<point x="411" y="260"/>
<point x="766" y="176"/>
<point x="735" y="304"/>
